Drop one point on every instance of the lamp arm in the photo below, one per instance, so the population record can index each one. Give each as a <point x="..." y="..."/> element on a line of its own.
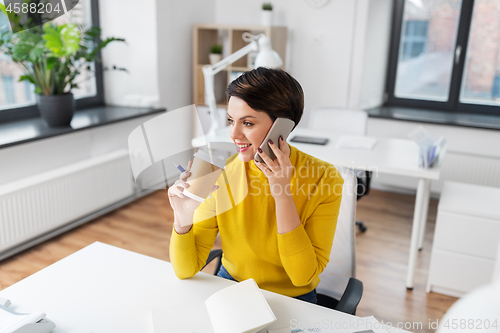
<point x="209" y="72"/>
<point x="216" y="68"/>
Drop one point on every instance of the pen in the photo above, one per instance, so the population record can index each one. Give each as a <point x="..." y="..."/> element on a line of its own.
<point x="181" y="169"/>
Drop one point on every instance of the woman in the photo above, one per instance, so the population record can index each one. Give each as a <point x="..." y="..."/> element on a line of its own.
<point x="281" y="233"/>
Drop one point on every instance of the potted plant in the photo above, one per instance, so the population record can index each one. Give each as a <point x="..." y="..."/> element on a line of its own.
<point x="267" y="14"/>
<point x="51" y="57"/>
<point x="215" y="53"/>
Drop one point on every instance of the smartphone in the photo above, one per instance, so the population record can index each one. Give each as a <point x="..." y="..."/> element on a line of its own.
<point x="281" y="126"/>
<point x="311" y="140"/>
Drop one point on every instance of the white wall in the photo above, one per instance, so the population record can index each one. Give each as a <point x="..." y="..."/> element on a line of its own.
<point x="175" y="53"/>
<point x="137" y="24"/>
<point x="370" y="52"/>
<point x="32" y="158"/>
<point x="175" y="20"/>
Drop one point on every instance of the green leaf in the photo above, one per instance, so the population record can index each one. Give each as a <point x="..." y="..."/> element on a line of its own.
<point x="71" y="38"/>
<point x="26" y="43"/>
<point x="51" y="62"/>
<point x="38" y="52"/>
<point x="53" y="40"/>
<point x="26" y="78"/>
<point x="92" y="33"/>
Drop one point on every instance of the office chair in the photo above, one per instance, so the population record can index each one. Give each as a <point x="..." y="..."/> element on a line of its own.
<point x="338" y="288"/>
<point x="347" y="122"/>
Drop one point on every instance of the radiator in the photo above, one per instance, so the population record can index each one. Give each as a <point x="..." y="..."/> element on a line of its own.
<point x="36" y="205"/>
<point x="478" y="170"/>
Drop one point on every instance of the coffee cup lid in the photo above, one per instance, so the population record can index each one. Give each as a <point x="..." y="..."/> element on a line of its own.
<point x="217" y="161"/>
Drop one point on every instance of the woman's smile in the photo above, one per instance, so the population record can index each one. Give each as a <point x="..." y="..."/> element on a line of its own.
<point x="241" y="147"/>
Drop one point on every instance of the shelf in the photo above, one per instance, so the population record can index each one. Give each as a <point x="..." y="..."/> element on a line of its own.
<point x="230" y="36"/>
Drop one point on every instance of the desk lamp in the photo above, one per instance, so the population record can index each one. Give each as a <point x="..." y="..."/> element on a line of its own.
<point x="266" y="57"/>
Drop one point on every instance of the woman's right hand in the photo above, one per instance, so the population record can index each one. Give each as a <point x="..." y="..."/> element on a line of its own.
<point x="182" y="205"/>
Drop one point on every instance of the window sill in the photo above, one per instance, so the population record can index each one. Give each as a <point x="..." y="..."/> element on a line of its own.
<point x="27" y="130"/>
<point x="436" y="117"/>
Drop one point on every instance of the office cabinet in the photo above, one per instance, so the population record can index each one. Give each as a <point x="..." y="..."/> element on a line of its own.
<point x="466" y="239"/>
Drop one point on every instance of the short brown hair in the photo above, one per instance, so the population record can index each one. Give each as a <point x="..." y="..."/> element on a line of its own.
<point x="272" y="91"/>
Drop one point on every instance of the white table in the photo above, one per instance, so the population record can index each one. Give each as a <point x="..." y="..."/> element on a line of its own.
<point x="389" y="155"/>
<point x="104" y="289"/>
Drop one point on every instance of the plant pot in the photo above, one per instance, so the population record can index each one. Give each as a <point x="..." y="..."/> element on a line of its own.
<point x="266" y="17"/>
<point x="56" y="110"/>
<point x="214" y="58"/>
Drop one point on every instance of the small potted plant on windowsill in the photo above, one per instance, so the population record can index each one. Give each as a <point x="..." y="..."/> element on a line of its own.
<point x="52" y="57"/>
<point x="267" y="14"/>
<point x="215" y="53"/>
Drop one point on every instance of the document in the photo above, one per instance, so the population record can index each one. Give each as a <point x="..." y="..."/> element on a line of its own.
<point x="11" y="321"/>
<point x="239" y="308"/>
<point x="429" y="150"/>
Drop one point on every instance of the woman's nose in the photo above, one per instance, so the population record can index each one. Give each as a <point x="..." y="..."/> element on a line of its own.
<point x="236" y="132"/>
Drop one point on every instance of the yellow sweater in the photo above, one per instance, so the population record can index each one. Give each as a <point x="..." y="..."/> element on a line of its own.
<point x="243" y="211"/>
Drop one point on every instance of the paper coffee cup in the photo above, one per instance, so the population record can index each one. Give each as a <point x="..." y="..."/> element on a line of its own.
<point x="205" y="171"/>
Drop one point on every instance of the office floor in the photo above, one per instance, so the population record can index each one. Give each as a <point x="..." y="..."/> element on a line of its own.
<point x="145" y="226"/>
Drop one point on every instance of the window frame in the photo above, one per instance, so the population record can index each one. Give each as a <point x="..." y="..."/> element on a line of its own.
<point x="31" y="111"/>
<point x="453" y="104"/>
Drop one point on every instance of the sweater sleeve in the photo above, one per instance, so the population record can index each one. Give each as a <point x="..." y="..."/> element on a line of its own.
<point x="305" y="251"/>
<point x="189" y="252"/>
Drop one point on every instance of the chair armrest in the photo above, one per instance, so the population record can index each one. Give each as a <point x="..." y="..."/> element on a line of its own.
<point x="351" y="297"/>
<point x="211" y="256"/>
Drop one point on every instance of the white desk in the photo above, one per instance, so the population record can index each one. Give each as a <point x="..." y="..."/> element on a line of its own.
<point x="389" y="155"/>
<point x="104" y="289"/>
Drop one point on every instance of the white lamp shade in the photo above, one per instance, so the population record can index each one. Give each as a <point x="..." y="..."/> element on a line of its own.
<point x="267" y="57"/>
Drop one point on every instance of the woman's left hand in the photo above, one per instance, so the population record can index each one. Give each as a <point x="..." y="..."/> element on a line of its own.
<point x="279" y="171"/>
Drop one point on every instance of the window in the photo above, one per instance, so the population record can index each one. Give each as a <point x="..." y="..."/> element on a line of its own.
<point x="8" y="89"/>
<point x="445" y="55"/>
<point x="414" y="39"/>
<point x="19" y="100"/>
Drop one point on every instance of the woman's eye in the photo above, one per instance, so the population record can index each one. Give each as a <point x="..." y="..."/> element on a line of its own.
<point x="246" y="123"/>
<point x="229" y="120"/>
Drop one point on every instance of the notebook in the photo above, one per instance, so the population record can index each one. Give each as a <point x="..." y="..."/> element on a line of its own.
<point x="240" y="308"/>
